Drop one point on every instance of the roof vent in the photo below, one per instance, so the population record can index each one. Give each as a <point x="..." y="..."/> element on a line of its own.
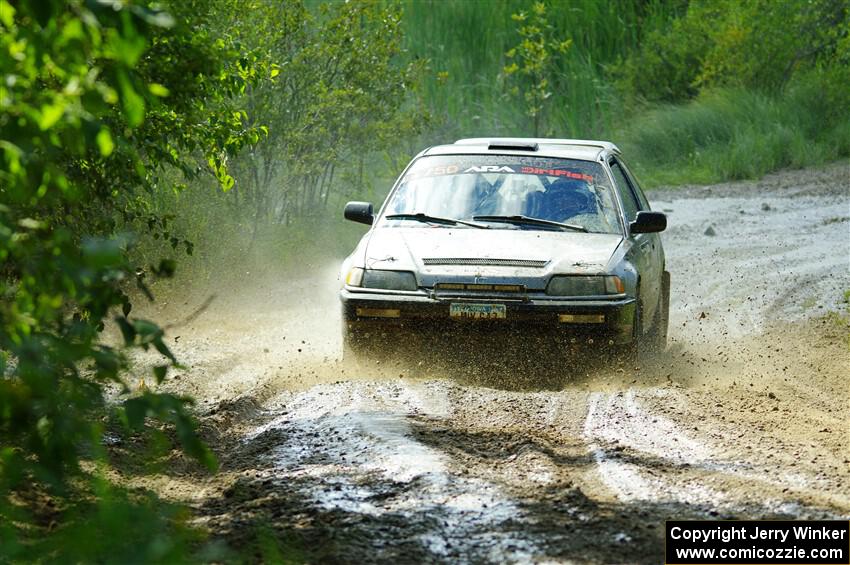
<point x="513" y="146"/>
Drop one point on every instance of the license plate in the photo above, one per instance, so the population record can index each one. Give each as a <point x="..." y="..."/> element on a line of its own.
<point x="478" y="311"/>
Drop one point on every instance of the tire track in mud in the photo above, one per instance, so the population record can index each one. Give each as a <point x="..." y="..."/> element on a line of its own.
<point x="620" y="430"/>
<point x="354" y="445"/>
<point x="615" y="422"/>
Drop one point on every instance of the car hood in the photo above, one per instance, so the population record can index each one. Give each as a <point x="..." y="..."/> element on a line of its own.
<point x="442" y="254"/>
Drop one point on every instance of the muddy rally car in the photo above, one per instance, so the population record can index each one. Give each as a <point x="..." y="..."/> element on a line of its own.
<point x="545" y="238"/>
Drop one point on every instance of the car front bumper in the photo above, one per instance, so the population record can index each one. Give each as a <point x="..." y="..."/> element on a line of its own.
<point x="567" y="321"/>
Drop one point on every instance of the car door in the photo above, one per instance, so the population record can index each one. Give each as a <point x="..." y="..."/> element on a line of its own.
<point x="642" y="253"/>
<point x="659" y="261"/>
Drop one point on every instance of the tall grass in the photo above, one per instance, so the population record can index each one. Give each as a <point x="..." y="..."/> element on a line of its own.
<point x="736" y="134"/>
<point x="466" y="41"/>
<point x="723" y="134"/>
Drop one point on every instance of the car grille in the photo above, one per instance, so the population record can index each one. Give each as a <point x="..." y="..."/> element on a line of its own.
<point x="530" y="263"/>
<point x="480" y="291"/>
<point x="479" y="287"/>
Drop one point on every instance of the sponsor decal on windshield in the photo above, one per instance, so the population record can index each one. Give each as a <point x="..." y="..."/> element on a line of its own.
<point x="490" y="169"/>
<point x="555" y="173"/>
<point x="499" y="169"/>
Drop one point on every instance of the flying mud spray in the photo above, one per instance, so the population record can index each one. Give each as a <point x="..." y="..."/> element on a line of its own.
<point x="487" y="457"/>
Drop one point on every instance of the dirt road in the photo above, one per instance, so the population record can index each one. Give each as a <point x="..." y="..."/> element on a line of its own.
<point x="745" y="416"/>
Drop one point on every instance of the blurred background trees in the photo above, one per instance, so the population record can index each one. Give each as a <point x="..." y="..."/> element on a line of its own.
<point x="342" y="93"/>
<point x="694" y="91"/>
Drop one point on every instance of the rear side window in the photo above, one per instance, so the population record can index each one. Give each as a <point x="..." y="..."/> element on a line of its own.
<point x="630" y="205"/>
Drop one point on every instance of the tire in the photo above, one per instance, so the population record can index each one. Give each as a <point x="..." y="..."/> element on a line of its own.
<point x="655" y="340"/>
<point x="629" y="353"/>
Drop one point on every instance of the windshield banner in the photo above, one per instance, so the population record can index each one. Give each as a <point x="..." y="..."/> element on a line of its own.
<point x="497" y="169"/>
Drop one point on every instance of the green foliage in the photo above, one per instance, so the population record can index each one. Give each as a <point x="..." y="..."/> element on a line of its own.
<point x="737" y="134"/>
<point x="115" y="526"/>
<point x="533" y="66"/>
<point x="99" y="102"/>
<point x="633" y="70"/>
<point x="342" y="93"/>
<point x="466" y="42"/>
<point x="342" y="110"/>
<point x="769" y="87"/>
<point x="759" y="44"/>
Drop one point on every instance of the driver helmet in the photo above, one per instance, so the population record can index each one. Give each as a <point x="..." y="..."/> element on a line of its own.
<point x="566" y="198"/>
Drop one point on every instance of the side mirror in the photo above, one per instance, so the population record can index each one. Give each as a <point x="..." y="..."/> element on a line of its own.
<point x="648" y="222"/>
<point x="359" y="212"/>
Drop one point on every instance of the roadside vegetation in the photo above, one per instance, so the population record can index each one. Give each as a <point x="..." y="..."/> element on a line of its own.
<point x="99" y="104"/>
<point x="699" y="91"/>
<point x="140" y="139"/>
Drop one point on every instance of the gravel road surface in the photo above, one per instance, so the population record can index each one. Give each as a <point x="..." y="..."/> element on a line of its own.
<point x="745" y="415"/>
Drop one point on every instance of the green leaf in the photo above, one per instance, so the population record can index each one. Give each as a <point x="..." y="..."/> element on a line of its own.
<point x="73" y="30"/>
<point x="7" y="14"/>
<point x="158" y="90"/>
<point x="132" y="103"/>
<point x="227" y="182"/>
<point x="146" y="329"/>
<point x="127" y="330"/>
<point x="108" y="364"/>
<point x="50" y="114"/>
<point x="31" y="224"/>
<point x="104" y="142"/>
<point x="159" y="372"/>
<point x="163" y="349"/>
<point x="135" y="409"/>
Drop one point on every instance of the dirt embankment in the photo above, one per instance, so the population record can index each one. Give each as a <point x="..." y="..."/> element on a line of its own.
<point x="745" y="416"/>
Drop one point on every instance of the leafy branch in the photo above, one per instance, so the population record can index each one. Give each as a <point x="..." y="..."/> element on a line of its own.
<point x="534" y="66"/>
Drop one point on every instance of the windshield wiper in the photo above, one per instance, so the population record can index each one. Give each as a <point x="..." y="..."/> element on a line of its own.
<point x="527" y="221"/>
<point x="420" y="217"/>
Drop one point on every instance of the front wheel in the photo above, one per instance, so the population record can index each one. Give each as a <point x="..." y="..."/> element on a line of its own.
<point x="655" y="340"/>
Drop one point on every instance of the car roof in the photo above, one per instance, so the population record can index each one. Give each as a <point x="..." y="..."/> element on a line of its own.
<point x="582" y="149"/>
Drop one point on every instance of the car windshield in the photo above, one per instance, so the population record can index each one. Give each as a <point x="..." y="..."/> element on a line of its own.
<point x="504" y="191"/>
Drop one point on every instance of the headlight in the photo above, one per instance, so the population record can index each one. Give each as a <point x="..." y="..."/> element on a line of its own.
<point x="389" y="280"/>
<point x="354" y="277"/>
<point x="584" y="286"/>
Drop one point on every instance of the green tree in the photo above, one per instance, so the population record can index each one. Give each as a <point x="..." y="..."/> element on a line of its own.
<point x="98" y="101"/>
<point x="343" y="92"/>
<point x="534" y="69"/>
<point x="760" y="44"/>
